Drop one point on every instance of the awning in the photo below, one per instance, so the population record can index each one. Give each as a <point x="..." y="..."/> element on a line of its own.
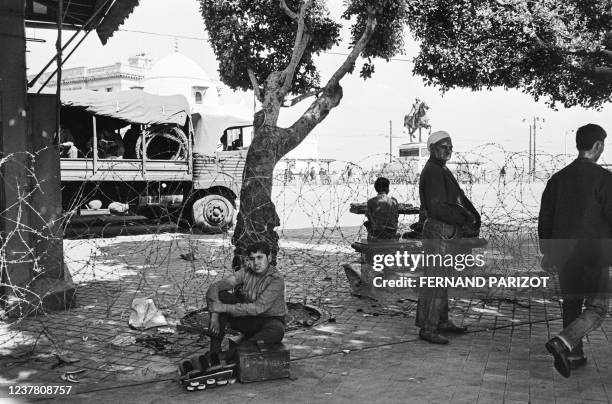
<point x="133" y="106"/>
<point x="103" y="15"/>
<point x="115" y="17"/>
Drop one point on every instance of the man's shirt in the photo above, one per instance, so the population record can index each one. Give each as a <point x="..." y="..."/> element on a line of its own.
<point x="383" y="213"/>
<point x="264" y="294"/>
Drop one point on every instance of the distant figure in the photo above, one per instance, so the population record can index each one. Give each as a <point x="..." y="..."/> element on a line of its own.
<point x="66" y="144"/>
<point x="130" y="139"/>
<point x="575" y="227"/>
<point x="349" y="173"/>
<point x="110" y="145"/>
<point x="502" y="174"/>
<point x="313" y="175"/>
<point x="323" y="176"/>
<point x="382" y="213"/>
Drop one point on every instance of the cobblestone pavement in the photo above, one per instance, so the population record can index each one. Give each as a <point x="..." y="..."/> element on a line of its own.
<point x="369" y="351"/>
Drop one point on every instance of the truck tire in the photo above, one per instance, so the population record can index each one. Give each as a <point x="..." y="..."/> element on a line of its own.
<point x="213" y="213"/>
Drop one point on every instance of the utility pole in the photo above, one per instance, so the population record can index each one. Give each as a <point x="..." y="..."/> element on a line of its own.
<point x="530" y="129"/>
<point x="534" y="146"/>
<point x="390" y="141"/>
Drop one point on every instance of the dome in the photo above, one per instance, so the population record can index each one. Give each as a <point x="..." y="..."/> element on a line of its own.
<point x="178" y="74"/>
<point x="176" y="65"/>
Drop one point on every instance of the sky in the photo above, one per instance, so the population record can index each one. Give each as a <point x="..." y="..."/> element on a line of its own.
<point x="359" y="127"/>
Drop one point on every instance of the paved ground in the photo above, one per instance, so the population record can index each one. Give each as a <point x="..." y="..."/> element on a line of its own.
<point x="369" y="352"/>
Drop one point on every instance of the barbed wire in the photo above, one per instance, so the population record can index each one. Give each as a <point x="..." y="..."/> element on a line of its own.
<point x="174" y="268"/>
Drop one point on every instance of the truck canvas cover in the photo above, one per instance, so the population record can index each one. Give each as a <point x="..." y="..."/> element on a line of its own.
<point x="133" y="106"/>
<point x="210" y="121"/>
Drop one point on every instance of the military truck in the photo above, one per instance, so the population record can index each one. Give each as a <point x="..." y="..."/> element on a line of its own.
<point x="152" y="154"/>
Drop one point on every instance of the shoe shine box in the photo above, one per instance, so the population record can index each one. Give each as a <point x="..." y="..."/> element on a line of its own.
<point x="259" y="362"/>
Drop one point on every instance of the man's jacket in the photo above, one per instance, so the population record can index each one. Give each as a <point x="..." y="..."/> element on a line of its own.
<point x="576" y="211"/>
<point x="442" y="198"/>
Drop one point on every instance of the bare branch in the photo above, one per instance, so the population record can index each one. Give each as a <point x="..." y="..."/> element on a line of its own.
<point x="255" y="85"/>
<point x="349" y="62"/>
<point x="302" y="38"/>
<point x="292" y="102"/>
<point x="288" y="11"/>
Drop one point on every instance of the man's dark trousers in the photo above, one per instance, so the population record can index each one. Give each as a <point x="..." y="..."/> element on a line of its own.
<point x="582" y="282"/>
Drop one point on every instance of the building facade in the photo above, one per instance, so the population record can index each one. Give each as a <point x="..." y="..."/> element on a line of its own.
<point x="116" y="77"/>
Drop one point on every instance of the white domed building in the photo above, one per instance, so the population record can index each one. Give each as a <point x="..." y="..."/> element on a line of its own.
<point x="178" y="74"/>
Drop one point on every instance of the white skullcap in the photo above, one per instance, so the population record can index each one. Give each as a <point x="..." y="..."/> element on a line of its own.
<point x="436" y="137"/>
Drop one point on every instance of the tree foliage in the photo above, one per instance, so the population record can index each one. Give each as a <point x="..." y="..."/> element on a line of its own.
<point x="558" y="49"/>
<point x="260" y="35"/>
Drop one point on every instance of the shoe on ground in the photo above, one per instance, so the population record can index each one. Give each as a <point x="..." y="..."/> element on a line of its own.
<point x="576" y="361"/>
<point x="559" y="351"/>
<point x="432" y="337"/>
<point x="450" y="327"/>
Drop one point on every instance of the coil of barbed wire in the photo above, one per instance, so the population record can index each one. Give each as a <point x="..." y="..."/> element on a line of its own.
<point x="171" y="133"/>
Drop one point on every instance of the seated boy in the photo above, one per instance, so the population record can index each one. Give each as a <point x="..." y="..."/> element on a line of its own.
<point x="260" y="313"/>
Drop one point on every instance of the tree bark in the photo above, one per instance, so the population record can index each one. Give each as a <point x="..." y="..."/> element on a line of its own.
<point x="257" y="217"/>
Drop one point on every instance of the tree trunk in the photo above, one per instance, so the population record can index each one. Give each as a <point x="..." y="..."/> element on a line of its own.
<point x="257" y="217"/>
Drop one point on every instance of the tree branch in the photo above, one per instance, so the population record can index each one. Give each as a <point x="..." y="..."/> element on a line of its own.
<point x="292" y="102"/>
<point x="302" y="38"/>
<point x="349" y="63"/>
<point x="255" y="85"/>
<point x="290" y="13"/>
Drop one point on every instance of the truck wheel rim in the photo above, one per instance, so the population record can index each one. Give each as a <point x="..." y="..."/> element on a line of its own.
<point x="216" y="212"/>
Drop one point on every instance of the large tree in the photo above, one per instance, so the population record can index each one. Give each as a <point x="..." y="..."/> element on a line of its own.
<point x="557" y="49"/>
<point x="269" y="46"/>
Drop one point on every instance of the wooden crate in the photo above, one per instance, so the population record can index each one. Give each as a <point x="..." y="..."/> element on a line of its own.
<point x="259" y="362"/>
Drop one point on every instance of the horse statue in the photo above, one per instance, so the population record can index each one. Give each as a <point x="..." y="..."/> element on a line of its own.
<point x="417" y="118"/>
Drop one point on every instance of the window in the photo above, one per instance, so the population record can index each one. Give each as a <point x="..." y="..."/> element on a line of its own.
<point x="109" y="89"/>
<point x="198" y="94"/>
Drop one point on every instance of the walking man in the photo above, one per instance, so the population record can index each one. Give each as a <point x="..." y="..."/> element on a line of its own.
<point x="575" y="225"/>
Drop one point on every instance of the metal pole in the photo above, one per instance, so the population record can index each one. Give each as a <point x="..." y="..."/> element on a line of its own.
<point x="534" y="146"/>
<point x="390" y="141"/>
<point x="63" y="61"/>
<point x="529" y="148"/>
<point x="95" y="144"/>
<point x="35" y="79"/>
<point x="58" y="89"/>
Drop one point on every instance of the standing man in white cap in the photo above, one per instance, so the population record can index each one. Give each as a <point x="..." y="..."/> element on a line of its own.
<point x="449" y="214"/>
